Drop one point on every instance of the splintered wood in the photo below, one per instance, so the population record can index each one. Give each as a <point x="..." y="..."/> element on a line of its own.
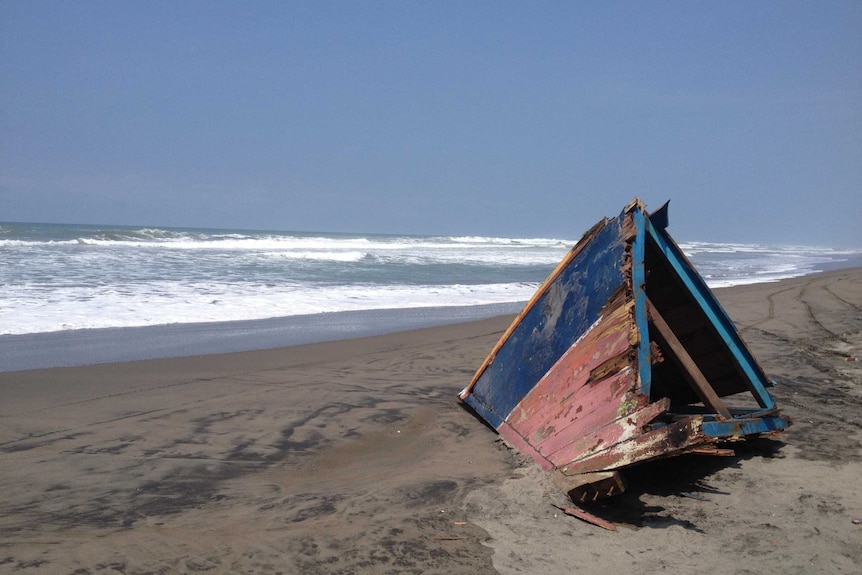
<point x="588" y="517"/>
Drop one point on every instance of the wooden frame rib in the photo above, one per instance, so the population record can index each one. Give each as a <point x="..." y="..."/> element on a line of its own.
<point x="690" y="370"/>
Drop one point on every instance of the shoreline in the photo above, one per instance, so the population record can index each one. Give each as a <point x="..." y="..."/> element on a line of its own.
<point x="354" y="456"/>
<point x="43" y="350"/>
<point x="114" y="345"/>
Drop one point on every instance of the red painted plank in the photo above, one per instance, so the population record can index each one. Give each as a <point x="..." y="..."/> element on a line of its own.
<point x="551" y="398"/>
<point x="668" y="440"/>
<point x="555" y="397"/>
<point x="588" y="517"/>
<point x="515" y="439"/>
<point x="598" y="404"/>
<point x="622" y="429"/>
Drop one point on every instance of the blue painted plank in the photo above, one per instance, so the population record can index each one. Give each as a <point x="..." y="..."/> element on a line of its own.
<point x="715" y="313"/>
<point x="567" y="309"/>
<point x="483" y="411"/>
<point x="740" y="427"/>
<point x="641" y="320"/>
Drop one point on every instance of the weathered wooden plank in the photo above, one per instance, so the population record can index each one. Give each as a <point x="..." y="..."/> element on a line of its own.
<point x="564" y="263"/>
<point x="618" y="431"/>
<point x="664" y="441"/>
<point x="554" y="395"/>
<point x="588" y="517"/>
<point x="763" y="424"/>
<point x="611" y="366"/>
<point x="640" y="333"/>
<point x="597" y="404"/>
<point x="516" y="440"/>
<point x="625" y="405"/>
<point x="607" y="401"/>
<point x="690" y="370"/>
<point x="566" y="309"/>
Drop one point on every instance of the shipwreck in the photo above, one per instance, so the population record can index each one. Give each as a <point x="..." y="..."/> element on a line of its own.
<point x="623" y="355"/>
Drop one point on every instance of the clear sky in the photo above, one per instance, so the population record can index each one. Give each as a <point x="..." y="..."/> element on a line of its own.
<point x="487" y="118"/>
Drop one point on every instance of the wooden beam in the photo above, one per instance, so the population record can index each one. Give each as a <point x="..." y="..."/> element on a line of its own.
<point x="588" y="517"/>
<point x="693" y="374"/>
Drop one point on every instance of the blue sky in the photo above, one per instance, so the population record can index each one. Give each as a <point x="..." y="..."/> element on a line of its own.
<point x="489" y="118"/>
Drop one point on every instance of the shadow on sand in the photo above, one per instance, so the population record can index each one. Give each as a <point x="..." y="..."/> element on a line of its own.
<point x="687" y="476"/>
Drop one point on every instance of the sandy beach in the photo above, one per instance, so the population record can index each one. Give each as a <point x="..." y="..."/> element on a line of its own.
<point x="355" y="456"/>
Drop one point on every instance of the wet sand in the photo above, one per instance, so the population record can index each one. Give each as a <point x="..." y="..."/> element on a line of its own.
<point x="354" y="457"/>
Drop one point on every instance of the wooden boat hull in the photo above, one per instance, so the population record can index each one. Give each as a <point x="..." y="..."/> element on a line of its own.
<point x="622" y="356"/>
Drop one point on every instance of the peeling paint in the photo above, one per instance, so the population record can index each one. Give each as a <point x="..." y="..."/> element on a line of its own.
<point x="578" y="383"/>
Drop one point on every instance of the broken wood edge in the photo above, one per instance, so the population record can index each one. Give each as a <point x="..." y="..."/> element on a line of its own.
<point x="590" y="486"/>
<point x="586" y="516"/>
<point x="712" y="450"/>
<point x="642" y="418"/>
<point x="691" y="371"/>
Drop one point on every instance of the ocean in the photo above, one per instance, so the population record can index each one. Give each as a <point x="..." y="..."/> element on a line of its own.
<point x="65" y="278"/>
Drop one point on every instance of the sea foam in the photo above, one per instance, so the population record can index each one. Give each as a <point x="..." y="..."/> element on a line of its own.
<point x="59" y="277"/>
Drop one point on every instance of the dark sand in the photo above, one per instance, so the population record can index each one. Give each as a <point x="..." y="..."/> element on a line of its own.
<point x="355" y="457"/>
